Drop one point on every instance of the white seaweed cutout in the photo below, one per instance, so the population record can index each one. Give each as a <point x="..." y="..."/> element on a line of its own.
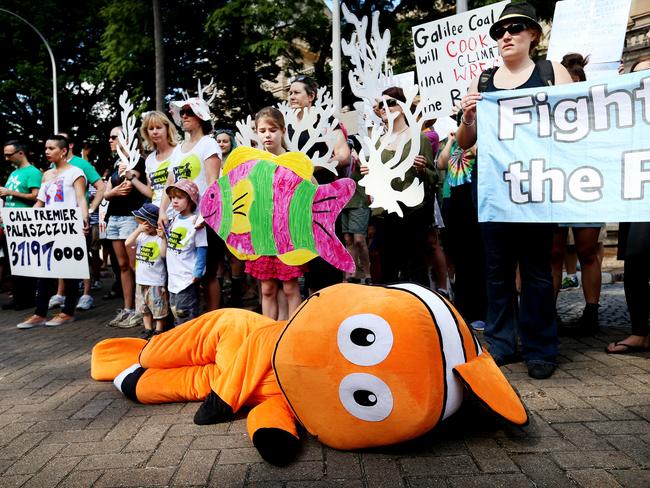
<point x="127" y="137"/>
<point x="246" y="135"/>
<point x="371" y="73"/>
<point x="380" y="175"/>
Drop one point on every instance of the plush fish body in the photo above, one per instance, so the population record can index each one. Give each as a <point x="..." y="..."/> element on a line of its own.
<point x="266" y="205"/>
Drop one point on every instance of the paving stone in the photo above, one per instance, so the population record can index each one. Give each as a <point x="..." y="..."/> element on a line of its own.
<point x="92" y="409"/>
<point x="593" y="459"/>
<point x="611" y="409"/>
<point x="620" y="427"/>
<point x="242" y="455"/>
<point x="588" y="478"/>
<point x="53" y="472"/>
<point x="147" y="438"/>
<point x="221" y="442"/>
<point x="59" y="425"/>
<point x="110" y="461"/>
<point x="197" y="430"/>
<point x="22" y="444"/>
<point x="632" y="400"/>
<point x="565" y="398"/>
<point x="300" y="471"/>
<point x="572" y="415"/>
<point x="80" y="479"/>
<point x="9" y="481"/>
<point x="582" y="437"/>
<point x="136" y="477"/>
<point x="427" y="482"/>
<point x="11" y="431"/>
<point x="170" y="452"/>
<point x="541" y="469"/>
<point x="88" y="448"/>
<point x="491" y="481"/>
<point x="126" y="428"/>
<point x="109" y="417"/>
<point x="33" y="461"/>
<point x="535" y="444"/>
<point x="632" y="478"/>
<point x="382" y="473"/>
<point x="327" y="483"/>
<point x="490" y="457"/>
<point x="76" y="436"/>
<point x="423" y="466"/>
<point x="228" y="476"/>
<point x="195" y="467"/>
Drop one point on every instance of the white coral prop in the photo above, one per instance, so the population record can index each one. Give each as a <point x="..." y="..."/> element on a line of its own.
<point x="127" y="149"/>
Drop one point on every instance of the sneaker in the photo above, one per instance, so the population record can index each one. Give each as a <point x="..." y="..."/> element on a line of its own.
<point x="122" y="313"/>
<point x="570" y="281"/>
<point x="134" y="319"/>
<point x="85" y="302"/>
<point x="540" y="370"/>
<point x="56" y="301"/>
<point x="478" y="325"/>
<point x="33" y="321"/>
<point x="60" y="319"/>
<point x="147" y="334"/>
<point x="96" y="285"/>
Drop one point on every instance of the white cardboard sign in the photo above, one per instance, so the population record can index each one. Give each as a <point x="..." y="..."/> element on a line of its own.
<point x="451" y="52"/>
<point x="46" y="243"/>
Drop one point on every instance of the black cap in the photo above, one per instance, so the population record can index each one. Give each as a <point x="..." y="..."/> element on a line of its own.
<point x="522" y="10"/>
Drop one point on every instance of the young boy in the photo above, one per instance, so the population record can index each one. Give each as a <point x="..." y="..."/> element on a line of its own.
<point x="150" y="273"/>
<point x="186" y="251"/>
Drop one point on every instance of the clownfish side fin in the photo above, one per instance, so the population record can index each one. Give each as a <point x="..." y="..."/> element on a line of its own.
<point x="482" y="377"/>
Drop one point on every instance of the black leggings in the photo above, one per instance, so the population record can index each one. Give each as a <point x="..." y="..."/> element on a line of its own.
<point x="637" y="272"/>
<point x="46" y="287"/>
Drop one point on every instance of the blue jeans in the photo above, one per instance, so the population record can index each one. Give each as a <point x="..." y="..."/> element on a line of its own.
<point x="529" y="245"/>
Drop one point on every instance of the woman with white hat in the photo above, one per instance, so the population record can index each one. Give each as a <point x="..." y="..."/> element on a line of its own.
<point x="199" y="160"/>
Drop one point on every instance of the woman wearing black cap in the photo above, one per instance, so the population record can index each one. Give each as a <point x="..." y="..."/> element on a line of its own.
<point x="517" y="32"/>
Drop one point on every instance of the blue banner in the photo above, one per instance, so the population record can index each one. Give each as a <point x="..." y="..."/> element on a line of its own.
<point x="568" y="153"/>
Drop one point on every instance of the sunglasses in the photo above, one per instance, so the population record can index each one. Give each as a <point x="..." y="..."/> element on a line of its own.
<point x="186" y="111"/>
<point x="7" y="156"/>
<point x="112" y="138"/>
<point x="516" y="28"/>
<point x="388" y="102"/>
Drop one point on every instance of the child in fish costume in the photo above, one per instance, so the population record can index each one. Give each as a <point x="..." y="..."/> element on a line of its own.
<point x="358" y="366"/>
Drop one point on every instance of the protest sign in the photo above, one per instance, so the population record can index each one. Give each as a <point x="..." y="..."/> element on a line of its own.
<point x="569" y="153"/>
<point x="451" y="52"/>
<point x="600" y="33"/>
<point x="46" y="243"/>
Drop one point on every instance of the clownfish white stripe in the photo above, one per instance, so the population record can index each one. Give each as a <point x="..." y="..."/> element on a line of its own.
<point x="452" y="344"/>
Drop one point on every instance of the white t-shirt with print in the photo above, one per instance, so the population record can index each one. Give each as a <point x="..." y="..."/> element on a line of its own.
<point x="191" y="165"/>
<point x="58" y="190"/>
<point x="157" y="172"/>
<point x="149" y="265"/>
<point x="182" y="241"/>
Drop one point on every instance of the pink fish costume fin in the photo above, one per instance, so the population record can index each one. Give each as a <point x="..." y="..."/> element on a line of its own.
<point x="329" y="200"/>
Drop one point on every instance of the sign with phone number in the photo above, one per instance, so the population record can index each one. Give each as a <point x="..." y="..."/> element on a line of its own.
<point x="45" y="242"/>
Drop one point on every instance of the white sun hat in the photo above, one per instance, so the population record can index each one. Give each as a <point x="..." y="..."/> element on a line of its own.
<point x="199" y="106"/>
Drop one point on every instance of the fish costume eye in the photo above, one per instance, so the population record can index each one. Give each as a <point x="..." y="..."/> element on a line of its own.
<point x="366" y="397"/>
<point x="365" y="339"/>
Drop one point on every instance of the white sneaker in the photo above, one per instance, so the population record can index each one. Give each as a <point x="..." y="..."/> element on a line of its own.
<point x="56" y="301"/>
<point x="85" y="302"/>
<point x="133" y="320"/>
<point x="122" y="313"/>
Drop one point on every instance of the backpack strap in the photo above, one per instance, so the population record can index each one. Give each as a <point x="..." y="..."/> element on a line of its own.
<point x="546" y="71"/>
<point x="484" y="78"/>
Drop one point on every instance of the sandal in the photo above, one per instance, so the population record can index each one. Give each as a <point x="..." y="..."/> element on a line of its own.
<point x="627" y="348"/>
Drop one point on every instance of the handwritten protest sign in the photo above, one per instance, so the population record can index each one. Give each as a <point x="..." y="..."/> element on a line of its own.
<point x="599" y="35"/>
<point x="451" y="52"/>
<point x="46" y="243"/>
<point x="569" y="153"/>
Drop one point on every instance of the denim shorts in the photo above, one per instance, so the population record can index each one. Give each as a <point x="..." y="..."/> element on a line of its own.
<point x="185" y="304"/>
<point x="120" y="227"/>
<point x="355" y="220"/>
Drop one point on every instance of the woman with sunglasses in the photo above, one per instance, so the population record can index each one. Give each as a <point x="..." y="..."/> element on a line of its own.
<point x="123" y="198"/>
<point x="302" y="94"/>
<point x="403" y="241"/>
<point x="517" y="33"/>
<point x="197" y="159"/>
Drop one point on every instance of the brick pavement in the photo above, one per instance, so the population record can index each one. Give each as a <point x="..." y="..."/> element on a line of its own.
<point x="590" y="425"/>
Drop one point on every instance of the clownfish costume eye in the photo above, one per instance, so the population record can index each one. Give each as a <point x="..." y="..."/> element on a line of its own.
<point x="366" y="397"/>
<point x="365" y="339"/>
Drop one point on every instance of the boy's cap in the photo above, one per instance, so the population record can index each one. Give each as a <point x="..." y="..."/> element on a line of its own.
<point x="189" y="187"/>
<point x="149" y="213"/>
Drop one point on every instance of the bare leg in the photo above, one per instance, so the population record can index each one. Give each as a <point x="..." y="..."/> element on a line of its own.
<point x="148" y="321"/>
<point x="283" y="305"/>
<point x="586" y="239"/>
<point x="212" y="294"/>
<point x="363" y="255"/>
<point x="292" y="291"/>
<point x="126" y="272"/>
<point x="439" y="261"/>
<point x="269" y="299"/>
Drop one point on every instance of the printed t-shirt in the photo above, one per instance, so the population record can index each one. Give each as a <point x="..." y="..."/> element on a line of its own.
<point x="22" y="180"/>
<point x="191" y="165"/>
<point x="182" y="241"/>
<point x="58" y="191"/>
<point x="149" y="264"/>
<point x="157" y="172"/>
<point x="89" y="170"/>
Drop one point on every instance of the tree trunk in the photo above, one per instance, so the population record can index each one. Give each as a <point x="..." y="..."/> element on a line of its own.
<point x="160" y="56"/>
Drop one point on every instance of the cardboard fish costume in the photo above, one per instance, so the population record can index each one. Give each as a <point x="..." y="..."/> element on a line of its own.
<point x="266" y="205"/>
<point x="358" y="366"/>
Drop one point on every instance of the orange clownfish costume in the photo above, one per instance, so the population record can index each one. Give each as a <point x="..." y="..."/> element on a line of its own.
<point x="357" y="366"/>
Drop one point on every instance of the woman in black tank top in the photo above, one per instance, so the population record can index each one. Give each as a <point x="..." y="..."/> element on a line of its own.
<point x="512" y="245"/>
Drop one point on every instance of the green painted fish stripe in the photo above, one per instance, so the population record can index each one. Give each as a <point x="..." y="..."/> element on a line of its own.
<point x="226" y="208"/>
<point x="261" y="211"/>
<point x="300" y="217"/>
